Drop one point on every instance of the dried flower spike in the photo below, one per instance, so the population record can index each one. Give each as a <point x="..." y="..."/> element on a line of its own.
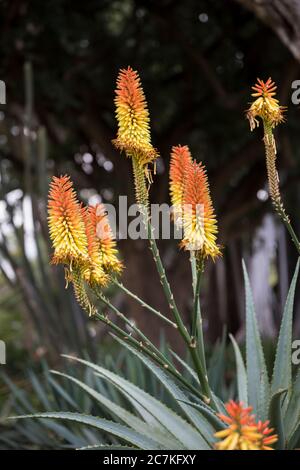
<point x="133" y="118"/>
<point x="265" y="105"/>
<point x="66" y="226"/>
<point x="243" y="433"/>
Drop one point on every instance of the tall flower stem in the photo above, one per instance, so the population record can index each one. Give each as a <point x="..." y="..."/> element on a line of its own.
<point x="144" y="345"/>
<point x="158" y="357"/>
<point x="143" y="202"/>
<point x="197" y="324"/>
<point x="270" y="149"/>
<point x="143" y="304"/>
<point x="134" y="328"/>
<point x="196" y="306"/>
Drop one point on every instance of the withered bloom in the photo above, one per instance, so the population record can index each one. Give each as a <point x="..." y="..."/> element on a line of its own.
<point x="265" y="106"/>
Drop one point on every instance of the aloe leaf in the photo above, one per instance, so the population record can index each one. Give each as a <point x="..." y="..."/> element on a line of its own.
<point x="64" y="433"/>
<point x="292" y="416"/>
<point x="187" y="367"/>
<point x="241" y="373"/>
<point x="217" y="365"/>
<point x="257" y="375"/>
<point x="106" y="447"/>
<point x="294" y="441"/>
<point x="128" y="418"/>
<point x="63" y="393"/>
<point x="210" y="415"/>
<point x="276" y="420"/>
<point x="39" y="391"/>
<point x="197" y="419"/>
<point x="119" y="430"/>
<point x="173" y="423"/>
<point x="282" y="372"/>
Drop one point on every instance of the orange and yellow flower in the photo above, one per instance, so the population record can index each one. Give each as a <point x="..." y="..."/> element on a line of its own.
<point x="265" y="105"/>
<point x="94" y="273"/>
<point x="180" y="160"/>
<point x="243" y="433"/>
<point x="66" y="226"/>
<point x="267" y="438"/>
<point x="199" y="221"/>
<point x="107" y="242"/>
<point x="82" y="237"/>
<point x="133" y="118"/>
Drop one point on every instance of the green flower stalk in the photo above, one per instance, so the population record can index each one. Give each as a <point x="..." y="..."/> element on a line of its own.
<point x="134" y="138"/>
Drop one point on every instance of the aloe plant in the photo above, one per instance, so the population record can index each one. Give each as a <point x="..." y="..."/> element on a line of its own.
<point x="266" y="411"/>
<point x="146" y="422"/>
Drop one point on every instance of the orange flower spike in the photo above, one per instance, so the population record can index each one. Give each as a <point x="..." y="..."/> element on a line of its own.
<point x="133" y="118"/>
<point x="108" y="246"/>
<point x="267" y="437"/>
<point x="243" y="433"/>
<point x="180" y="159"/>
<point x="66" y="226"/>
<point x="265" y="106"/>
<point x="199" y="221"/>
<point x="94" y="273"/>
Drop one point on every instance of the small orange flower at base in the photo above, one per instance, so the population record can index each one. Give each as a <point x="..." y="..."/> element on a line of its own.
<point x="133" y="118"/>
<point x="66" y="226"/>
<point x="243" y="433"/>
<point x="265" y="106"/>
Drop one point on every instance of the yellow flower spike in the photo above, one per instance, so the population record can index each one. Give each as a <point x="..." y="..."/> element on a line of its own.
<point x="243" y="433"/>
<point x="94" y="273"/>
<point x="107" y="242"/>
<point x="66" y="226"/>
<point x="180" y="160"/>
<point x="199" y="221"/>
<point x="133" y="119"/>
<point x="265" y="105"/>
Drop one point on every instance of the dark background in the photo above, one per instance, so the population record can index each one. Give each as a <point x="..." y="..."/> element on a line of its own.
<point x="197" y="61"/>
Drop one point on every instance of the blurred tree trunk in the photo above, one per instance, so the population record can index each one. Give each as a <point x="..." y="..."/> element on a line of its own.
<point x="283" y="16"/>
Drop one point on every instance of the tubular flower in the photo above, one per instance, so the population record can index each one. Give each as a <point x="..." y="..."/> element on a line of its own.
<point x="133" y="118"/>
<point x="242" y="432"/>
<point x="107" y="242"/>
<point x="66" y="226"/>
<point x="94" y="272"/>
<point x="199" y="221"/>
<point x="180" y="160"/>
<point x="267" y="438"/>
<point x="265" y="105"/>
